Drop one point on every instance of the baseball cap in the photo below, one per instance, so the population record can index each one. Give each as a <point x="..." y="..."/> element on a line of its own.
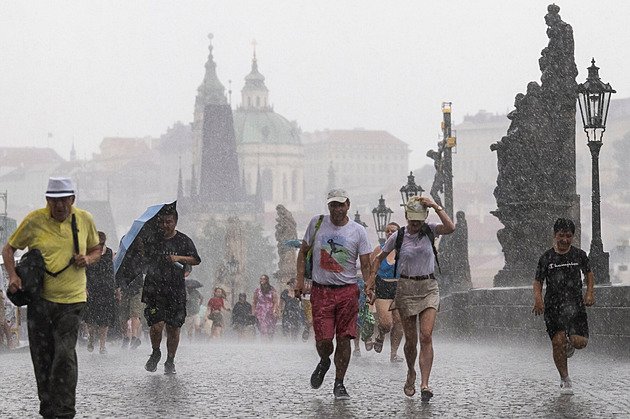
<point x="415" y="210"/>
<point x="337" y="195"/>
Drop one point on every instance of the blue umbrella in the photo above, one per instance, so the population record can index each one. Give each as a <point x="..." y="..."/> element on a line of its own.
<point x="297" y="243"/>
<point x="141" y="224"/>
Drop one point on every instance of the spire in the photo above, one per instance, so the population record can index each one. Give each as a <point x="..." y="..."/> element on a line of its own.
<point x="73" y="153"/>
<point x="180" y="184"/>
<point x="255" y="94"/>
<point x="211" y="91"/>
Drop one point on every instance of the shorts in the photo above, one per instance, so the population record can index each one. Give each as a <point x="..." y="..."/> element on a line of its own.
<point x="217" y="318"/>
<point x="308" y="311"/>
<point x="335" y="311"/>
<point x="192" y="322"/>
<point x="171" y="313"/>
<point x="385" y="290"/>
<point x="572" y="324"/>
<point x="130" y="307"/>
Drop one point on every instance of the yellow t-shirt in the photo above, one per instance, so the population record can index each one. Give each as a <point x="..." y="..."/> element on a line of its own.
<point x="54" y="239"/>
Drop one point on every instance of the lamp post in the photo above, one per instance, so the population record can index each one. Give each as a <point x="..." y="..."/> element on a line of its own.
<point x="382" y="215"/>
<point x="410" y="189"/>
<point x="357" y="219"/>
<point x="594" y="98"/>
<point x="232" y="268"/>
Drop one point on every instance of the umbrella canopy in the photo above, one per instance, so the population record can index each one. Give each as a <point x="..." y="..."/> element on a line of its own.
<point x="193" y="283"/>
<point x="297" y="243"/>
<point x="145" y="227"/>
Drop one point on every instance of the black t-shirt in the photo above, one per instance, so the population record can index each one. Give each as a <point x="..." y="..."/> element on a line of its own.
<point x="164" y="281"/>
<point x="563" y="276"/>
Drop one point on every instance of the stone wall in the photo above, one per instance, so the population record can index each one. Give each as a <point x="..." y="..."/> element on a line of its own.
<point x="506" y="313"/>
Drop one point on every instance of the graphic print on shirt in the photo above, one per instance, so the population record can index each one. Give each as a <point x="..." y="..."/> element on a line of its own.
<point x="333" y="253"/>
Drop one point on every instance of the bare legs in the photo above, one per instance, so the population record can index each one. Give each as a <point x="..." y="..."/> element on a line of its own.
<point x="559" y="344"/>
<point x="102" y="334"/>
<point x="410" y="327"/>
<point x="325" y="348"/>
<point x="172" y="337"/>
<point x="389" y="321"/>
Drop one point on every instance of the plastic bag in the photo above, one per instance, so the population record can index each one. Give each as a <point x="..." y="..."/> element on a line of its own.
<point x="367" y="322"/>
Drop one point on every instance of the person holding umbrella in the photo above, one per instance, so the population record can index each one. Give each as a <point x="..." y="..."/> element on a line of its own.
<point x="164" y="291"/>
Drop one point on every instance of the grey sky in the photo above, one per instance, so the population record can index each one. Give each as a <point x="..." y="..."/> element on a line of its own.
<point x="86" y="70"/>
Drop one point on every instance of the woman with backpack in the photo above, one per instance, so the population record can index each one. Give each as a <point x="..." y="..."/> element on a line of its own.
<point x="417" y="295"/>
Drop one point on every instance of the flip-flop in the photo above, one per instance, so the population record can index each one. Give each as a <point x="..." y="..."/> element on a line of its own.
<point x="410" y="389"/>
<point x="378" y="345"/>
<point x="395" y="358"/>
<point x="426" y="394"/>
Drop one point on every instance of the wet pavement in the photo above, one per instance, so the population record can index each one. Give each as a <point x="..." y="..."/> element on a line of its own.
<point x="231" y="380"/>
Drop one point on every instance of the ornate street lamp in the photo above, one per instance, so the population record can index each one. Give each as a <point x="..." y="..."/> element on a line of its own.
<point x="381" y="214"/>
<point x="357" y="219"/>
<point x="594" y="98"/>
<point x="410" y="189"/>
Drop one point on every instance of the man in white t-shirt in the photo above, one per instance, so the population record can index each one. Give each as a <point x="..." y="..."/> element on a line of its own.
<point x="337" y="244"/>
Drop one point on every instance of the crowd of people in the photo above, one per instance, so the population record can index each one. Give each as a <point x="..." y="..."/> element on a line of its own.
<point x="338" y="275"/>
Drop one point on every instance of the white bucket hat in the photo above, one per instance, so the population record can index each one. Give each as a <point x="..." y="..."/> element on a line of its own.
<point x="59" y="187"/>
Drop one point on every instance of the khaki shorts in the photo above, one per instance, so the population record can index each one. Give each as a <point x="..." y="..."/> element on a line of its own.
<point x="131" y="307"/>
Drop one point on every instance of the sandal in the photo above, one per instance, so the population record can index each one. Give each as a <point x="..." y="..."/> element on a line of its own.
<point x="395" y="359"/>
<point x="426" y="394"/>
<point x="410" y="389"/>
<point x="378" y="345"/>
<point x="368" y="345"/>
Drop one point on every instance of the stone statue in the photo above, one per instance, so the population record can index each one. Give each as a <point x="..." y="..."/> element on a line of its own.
<point x="286" y="229"/>
<point x="234" y="282"/>
<point x="536" y="159"/>
<point x="438" y="181"/>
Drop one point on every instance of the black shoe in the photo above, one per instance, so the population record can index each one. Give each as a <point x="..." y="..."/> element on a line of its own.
<point x="169" y="367"/>
<point x="125" y="343"/>
<point x="317" y="378"/>
<point x="135" y="342"/>
<point x="340" y="392"/>
<point x="152" y="363"/>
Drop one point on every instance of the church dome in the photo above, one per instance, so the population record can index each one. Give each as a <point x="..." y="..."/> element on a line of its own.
<point x="264" y="127"/>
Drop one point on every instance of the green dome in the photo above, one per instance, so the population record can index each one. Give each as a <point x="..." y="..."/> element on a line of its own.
<point x="264" y="127"/>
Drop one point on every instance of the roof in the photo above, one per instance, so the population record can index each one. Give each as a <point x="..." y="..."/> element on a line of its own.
<point x="264" y="127"/>
<point x="28" y="156"/>
<point x="354" y="136"/>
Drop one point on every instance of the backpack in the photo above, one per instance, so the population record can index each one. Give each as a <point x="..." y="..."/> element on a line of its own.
<point x="425" y="230"/>
<point x="308" y="269"/>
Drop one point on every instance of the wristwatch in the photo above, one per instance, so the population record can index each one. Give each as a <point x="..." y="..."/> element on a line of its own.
<point x="438" y="209"/>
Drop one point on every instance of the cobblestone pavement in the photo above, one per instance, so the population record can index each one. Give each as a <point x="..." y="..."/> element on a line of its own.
<point x="231" y="380"/>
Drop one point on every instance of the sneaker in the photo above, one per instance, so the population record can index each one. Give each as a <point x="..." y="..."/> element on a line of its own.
<point x="169" y="367"/>
<point x="340" y="392"/>
<point x="152" y="363"/>
<point x="566" y="387"/>
<point x="305" y="334"/>
<point x="135" y="342"/>
<point x="90" y="346"/>
<point x="103" y="351"/>
<point x="570" y="348"/>
<point x="125" y="343"/>
<point x="317" y="378"/>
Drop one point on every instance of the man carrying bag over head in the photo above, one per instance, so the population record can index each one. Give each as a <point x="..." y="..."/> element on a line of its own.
<point x="53" y="318"/>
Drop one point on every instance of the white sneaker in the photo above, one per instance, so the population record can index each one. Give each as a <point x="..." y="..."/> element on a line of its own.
<point x="566" y="387"/>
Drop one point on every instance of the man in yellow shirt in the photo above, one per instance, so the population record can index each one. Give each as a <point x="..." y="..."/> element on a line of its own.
<point x="53" y="319"/>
